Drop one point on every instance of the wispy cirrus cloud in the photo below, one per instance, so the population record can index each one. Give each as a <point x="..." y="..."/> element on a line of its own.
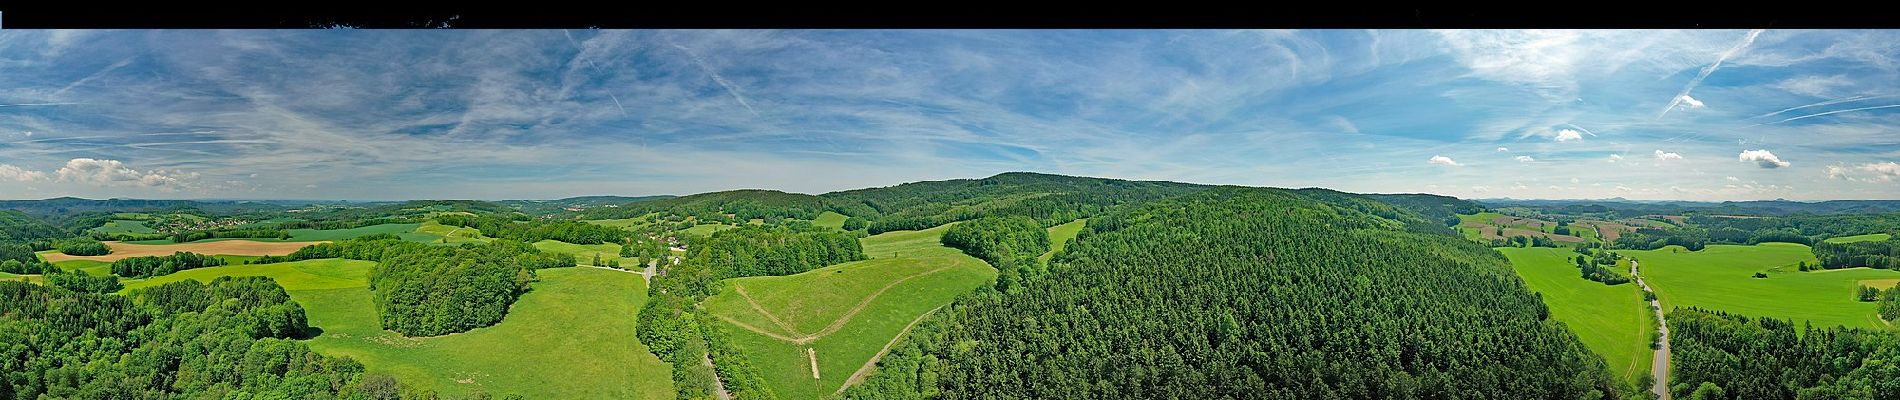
<point x="539" y="114"/>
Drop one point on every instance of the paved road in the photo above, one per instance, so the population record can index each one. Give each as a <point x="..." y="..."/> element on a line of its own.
<point x="1659" y="364"/>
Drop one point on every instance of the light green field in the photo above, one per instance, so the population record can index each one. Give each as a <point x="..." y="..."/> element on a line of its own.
<point x="624" y="223"/>
<point x="118" y="226"/>
<point x="14" y="277"/>
<point x="330" y="273"/>
<point x="846" y="312"/>
<point x="448" y="234"/>
<point x="88" y="266"/>
<point x="568" y="338"/>
<point x="1720" y="278"/>
<point x="1060" y="235"/>
<point x="707" y="229"/>
<point x="405" y="231"/>
<point x="830" y="219"/>
<point x="1872" y="237"/>
<point x="583" y="253"/>
<point x="1613" y="321"/>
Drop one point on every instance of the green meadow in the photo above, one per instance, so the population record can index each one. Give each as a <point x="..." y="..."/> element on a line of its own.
<point x="1060" y="235"/>
<point x="1720" y="277"/>
<point x="118" y="226"/>
<point x="569" y="337"/>
<point x="830" y="219"/>
<point x="88" y="266"/>
<point x="449" y="234"/>
<point x="406" y="231"/>
<point x="624" y="223"/>
<point x="708" y="229"/>
<point x="1872" y="237"/>
<point x="1613" y="321"/>
<point x="583" y="253"/>
<point x="845" y="312"/>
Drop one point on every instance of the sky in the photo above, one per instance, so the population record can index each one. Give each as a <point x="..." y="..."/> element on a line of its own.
<point x="437" y="114"/>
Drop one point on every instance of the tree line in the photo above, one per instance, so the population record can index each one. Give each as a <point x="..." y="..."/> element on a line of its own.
<point x="226" y="339"/>
<point x="1717" y="355"/>
<point x="150" y="266"/>
<point x="1011" y="244"/>
<point x="1883" y="254"/>
<point x="424" y="290"/>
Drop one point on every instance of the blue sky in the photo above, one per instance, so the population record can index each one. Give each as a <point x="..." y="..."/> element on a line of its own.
<point x="1701" y="115"/>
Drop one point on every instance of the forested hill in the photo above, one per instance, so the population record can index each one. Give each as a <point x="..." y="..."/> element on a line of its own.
<point x="1434" y="207"/>
<point x="1050" y="199"/>
<point x="741" y="204"/>
<point x="1251" y="293"/>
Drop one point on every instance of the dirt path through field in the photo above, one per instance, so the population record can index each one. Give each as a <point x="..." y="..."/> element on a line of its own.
<point x="229" y="247"/>
<point x="761" y="310"/>
<point x="871" y="364"/>
<point x="835" y="324"/>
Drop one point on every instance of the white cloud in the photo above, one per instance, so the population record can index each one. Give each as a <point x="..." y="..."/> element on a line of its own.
<point x="1568" y="135"/>
<point x="114" y="172"/>
<point x="1446" y="161"/>
<point x="1554" y="187"/>
<point x="1734" y="179"/>
<point x="1480" y="189"/>
<point x="1615" y="158"/>
<point x="1660" y="155"/>
<point x="1876" y="172"/>
<point x="1575" y="180"/>
<point x="1503" y="149"/>
<point x="1524" y="159"/>
<point x="13" y="173"/>
<point x="1621" y="188"/>
<point x="1763" y="158"/>
<point x="1689" y="102"/>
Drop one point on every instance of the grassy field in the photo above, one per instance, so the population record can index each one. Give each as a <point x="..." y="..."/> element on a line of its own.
<point x="300" y="275"/>
<point x="831" y="219"/>
<point x="1720" y="278"/>
<point x="448" y="234"/>
<point x="707" y="229"/>
<point x="846" y="312"/>
<point x="570" y="337"/>
<point x="1612" y="321"/>
<point x="88" y="266"/>
<point x="624" y="223"/>
<point x="583" y="253"/>
<point x="124" y="226"/>
<point x="1872" y="237"/>
<point x="406" y="231"/>
<point x="1060" y="235"/>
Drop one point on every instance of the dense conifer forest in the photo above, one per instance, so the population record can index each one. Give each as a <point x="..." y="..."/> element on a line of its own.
<point x="1251" y="293"/>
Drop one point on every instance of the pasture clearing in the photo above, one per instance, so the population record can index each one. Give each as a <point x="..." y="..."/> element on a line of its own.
<point x="1720" y="277"/>
<point x="1613" y="321"/>
<point x="707" y="229"/>
<point x="119" y="226"/>
<point x="1059" y="237"/>
<point x="1872" y="237"/>
<point x="569" y="337"/>
<point x="845" y="313"/>
<point x="583" y="253"/>
<point x="829" y="219"/>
